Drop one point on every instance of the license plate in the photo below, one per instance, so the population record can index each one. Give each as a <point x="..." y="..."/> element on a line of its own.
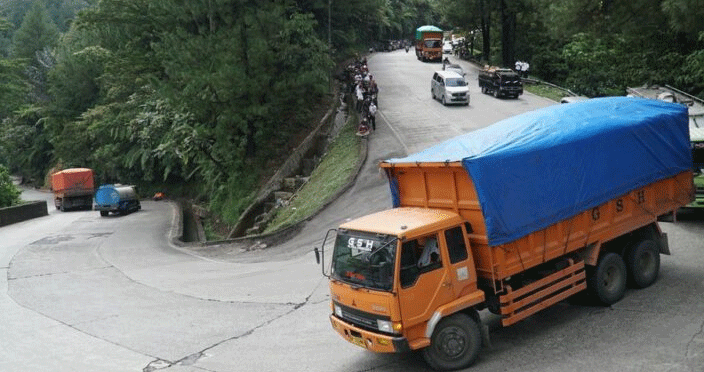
<point x="358" y="341"/>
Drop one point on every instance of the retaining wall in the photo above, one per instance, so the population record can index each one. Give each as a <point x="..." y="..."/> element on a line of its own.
<point x="23" y="212"/>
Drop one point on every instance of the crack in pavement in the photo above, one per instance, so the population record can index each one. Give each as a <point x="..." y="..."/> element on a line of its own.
<point x="691" y="341"/>
<point x="193" y="358"/>
<point x="57" y="273"/>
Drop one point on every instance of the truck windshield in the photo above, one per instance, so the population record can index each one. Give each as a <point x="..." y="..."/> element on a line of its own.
<point x="364" y="259"/>
<point x="433" y="44"/>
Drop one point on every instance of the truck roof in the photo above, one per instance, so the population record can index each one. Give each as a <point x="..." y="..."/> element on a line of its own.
<point x="538" y="168"/>
<point x="404" y="222"/>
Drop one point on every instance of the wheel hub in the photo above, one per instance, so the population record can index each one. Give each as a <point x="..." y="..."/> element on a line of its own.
<point x="453" y="344"/>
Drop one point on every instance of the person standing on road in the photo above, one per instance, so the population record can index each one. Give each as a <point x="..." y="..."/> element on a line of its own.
<point x="360" y="96"/>
<point x="373" y="90"/>
<point x="372" y="115"/>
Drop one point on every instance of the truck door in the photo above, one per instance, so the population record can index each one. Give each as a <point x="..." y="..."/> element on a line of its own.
<point x="425" y="283"/>
<point x="462" y="273"/>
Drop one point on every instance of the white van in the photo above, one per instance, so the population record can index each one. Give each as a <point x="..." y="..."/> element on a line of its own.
<point x="449" y="87"/>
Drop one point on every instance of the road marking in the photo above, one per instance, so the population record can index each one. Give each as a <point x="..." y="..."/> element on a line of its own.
<point x="394" y="131"/>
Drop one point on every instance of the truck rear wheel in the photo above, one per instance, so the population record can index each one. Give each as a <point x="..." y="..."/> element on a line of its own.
<point x="643" y="263"/>
<point x="455" y="343"/>
<point x="607" y="281"/>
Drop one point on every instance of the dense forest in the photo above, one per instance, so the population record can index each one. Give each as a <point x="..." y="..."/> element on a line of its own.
<point x="202" y="97"/>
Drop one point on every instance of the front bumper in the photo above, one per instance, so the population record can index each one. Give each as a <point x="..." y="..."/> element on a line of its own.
<point x="511" y="90"/>
<point x="459" y="98"/>
<point x="106" y="207"/>
<point x="375" y="342"/>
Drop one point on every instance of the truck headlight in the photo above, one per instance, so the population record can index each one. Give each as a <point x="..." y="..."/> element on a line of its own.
<point x="385" y="326"/>
<point x="338" y="311"/>
<point x="389" y="327"/>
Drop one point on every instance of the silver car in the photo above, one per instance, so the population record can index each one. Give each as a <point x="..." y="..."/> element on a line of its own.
<point x="449" y="87"/>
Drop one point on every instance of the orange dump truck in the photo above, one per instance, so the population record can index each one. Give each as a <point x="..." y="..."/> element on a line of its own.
<point x="73" y="188"/>
<point x="428" y="43"/>
<point x="512" y="218"/>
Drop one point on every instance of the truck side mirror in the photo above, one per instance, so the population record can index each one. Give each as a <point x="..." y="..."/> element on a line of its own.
<point x="317" y="255"/>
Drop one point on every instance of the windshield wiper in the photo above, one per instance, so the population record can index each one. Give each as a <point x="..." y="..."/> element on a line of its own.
<point x="380" y="248"/>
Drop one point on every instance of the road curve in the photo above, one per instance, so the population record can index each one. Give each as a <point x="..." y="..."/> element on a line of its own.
<point x="87" y="293"/>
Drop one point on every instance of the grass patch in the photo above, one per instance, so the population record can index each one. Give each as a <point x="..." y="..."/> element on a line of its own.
<point x="546" y="91"/>
<point x="333" y="172"/>
<point x="211" y="231"/>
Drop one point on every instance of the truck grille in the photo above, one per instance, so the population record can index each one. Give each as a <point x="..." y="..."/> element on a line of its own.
<point x="361" y="319"/>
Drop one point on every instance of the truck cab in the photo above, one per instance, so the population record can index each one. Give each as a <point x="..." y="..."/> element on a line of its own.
<point x="395" y="274"/>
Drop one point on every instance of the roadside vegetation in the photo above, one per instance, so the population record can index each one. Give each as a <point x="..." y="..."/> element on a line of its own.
<point x="334" y="171"/>
<point x="204" y="99"/>
<point x="546" y="91"/>
<point x="9" y="194"/>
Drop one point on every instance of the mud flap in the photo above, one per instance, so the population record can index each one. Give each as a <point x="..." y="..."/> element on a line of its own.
<point x="663" y="244"/>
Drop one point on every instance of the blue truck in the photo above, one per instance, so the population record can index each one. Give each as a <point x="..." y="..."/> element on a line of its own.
<point x="116" y="198"/>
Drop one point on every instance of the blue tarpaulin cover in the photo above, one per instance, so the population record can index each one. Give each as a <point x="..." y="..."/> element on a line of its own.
<point x="538" y="168"/>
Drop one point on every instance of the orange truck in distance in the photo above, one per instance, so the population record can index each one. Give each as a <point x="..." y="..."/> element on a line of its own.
<point x="512" y="218"/>
<point x="428" y="43"/>
<point x="73" y="188"/>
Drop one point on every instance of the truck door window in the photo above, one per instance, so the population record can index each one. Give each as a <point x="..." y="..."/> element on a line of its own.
<point x="419" y="256"/>
<point x="456" y="246"/>
<point x="409" y="267"/>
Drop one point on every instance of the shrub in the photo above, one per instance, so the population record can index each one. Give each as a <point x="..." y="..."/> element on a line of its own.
<point x="9" y="194"/>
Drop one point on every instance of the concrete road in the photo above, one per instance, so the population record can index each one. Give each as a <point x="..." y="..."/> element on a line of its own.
<point x="86" y="293"/>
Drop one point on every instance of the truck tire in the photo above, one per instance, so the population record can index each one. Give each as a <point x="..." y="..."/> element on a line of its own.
<point x="643" y="263"/>
<point x="483" y="90"/>
<point x="432" y="93"/>
<point x="496" y="93"/>
<point x="104" y="213"/>
<point x="607" y="281"/>
<point x="444" y="103"/>
<point x="455" y="343"/>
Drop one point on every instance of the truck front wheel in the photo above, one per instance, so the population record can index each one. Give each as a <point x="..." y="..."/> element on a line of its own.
<point x="455" y="343"/>
<point x="643" y="263"/>
<point x="607" y="281"/>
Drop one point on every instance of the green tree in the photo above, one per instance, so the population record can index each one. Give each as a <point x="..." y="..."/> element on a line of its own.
<point x="9" y="194"/>
<point x="37" y="32"/>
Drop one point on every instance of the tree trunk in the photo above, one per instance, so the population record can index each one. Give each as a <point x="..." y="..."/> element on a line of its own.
<point x="508" y="35"/>
<point x="250" y="146"/>
<point x="486" y="29"/>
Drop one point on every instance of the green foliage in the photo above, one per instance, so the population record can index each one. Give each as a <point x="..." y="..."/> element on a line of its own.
<point x="25" y="143"/>
<point x="13" y="86"/>
<point x="37" y="32"/>
<point x="9" y="194"/>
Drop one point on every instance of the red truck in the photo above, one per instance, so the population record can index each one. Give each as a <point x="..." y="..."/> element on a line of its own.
<point x="429" y="43"/>
<point x="73" y="188"/>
